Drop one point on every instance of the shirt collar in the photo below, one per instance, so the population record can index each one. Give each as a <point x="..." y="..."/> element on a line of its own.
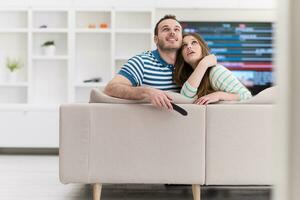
<point x="157" y="56"/>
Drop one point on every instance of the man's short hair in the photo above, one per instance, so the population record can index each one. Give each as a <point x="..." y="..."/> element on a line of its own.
<point x="162" y="19"/>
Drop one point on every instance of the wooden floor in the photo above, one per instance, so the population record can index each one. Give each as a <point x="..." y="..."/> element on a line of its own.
<point x="35" y="177"/>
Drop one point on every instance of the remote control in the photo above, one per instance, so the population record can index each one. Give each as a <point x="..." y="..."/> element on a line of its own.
<point x="179" y="109"/>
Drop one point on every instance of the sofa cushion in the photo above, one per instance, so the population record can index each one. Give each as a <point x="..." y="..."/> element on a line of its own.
<point x="98" y="96"/>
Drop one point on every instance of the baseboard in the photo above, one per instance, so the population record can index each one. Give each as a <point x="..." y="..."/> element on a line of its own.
<point x="28" y="151"/>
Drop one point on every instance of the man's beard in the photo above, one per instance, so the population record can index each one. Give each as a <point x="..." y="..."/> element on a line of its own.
<point x="164" y="47"/>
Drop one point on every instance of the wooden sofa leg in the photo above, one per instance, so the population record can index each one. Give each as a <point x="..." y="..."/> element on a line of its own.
<point x="97" y="191"/>
<point x="196" y="192"/>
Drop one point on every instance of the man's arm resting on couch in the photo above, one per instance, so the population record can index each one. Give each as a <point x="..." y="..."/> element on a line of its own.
<point x="121" y="87"/>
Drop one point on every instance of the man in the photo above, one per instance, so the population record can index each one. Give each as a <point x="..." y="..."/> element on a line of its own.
<point x="148" y="75"/>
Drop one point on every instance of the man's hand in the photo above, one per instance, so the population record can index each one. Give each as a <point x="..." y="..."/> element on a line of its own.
<point x="208" y="61"/>
<point x="158" y="98"/>
<point x="210" y="98"/>
<point x="121" y="87"/>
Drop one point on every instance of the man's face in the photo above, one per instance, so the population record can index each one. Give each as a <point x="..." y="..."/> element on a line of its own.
<point x="169" y="36"/>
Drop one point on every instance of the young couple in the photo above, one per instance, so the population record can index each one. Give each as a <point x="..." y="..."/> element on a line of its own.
<point x="180" y="61"/>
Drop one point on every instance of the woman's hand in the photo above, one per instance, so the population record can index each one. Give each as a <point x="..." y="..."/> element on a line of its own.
<point x="208" y="61"/>
<point x="210" y="98"/>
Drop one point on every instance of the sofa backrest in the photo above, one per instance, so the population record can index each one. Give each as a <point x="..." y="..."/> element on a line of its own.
<point x="267" y="96"/>
<point x="131" y="143"/>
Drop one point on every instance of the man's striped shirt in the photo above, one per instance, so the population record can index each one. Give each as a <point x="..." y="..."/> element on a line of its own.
<point x="149" y="69"/>
<point x="221" y="79"/>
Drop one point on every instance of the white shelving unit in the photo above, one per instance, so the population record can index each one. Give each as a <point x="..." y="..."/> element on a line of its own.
<point x="90" y="43"/>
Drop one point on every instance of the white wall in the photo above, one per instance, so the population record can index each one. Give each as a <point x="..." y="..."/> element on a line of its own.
<point x="245" y="4"/>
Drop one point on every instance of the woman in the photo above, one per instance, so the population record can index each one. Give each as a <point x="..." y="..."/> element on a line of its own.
<point x="199" y="74"/>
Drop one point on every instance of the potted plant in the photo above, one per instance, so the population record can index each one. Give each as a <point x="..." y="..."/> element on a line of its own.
<point x="49" y="48"/>
<point x="13" y="65"/>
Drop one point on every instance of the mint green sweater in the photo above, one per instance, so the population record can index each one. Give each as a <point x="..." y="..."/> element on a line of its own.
<point x="221" y="79"/>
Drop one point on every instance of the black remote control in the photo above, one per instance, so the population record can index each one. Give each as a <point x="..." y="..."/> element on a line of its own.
<point x="179" y="109"/>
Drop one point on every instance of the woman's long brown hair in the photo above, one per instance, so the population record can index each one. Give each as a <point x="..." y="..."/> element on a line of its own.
<point x="183" y="70"/>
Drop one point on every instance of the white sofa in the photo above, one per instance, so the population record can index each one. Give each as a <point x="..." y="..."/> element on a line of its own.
<point x="121" y="142"/>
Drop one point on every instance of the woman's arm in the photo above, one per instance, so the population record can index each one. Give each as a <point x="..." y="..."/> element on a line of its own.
<point x="215" y="97"/>
<point x="225" y="96"/>
<point x="189" y="88"/>
<point x="223" y="80"/>
<point x="227" y="86"/>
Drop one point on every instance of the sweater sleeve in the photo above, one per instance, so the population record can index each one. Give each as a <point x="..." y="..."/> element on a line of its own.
<point x="222" y="79"/>
<point x="188" y="91"/>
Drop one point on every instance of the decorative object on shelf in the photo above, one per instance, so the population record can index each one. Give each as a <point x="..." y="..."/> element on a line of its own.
<point x="93" y="80"/>
<point x="13" y="64"/>
<point x="92" y="26"/>
<point x="49" y="48"/>
<point x="103" y="25"/>
<point x="43" y="26"/>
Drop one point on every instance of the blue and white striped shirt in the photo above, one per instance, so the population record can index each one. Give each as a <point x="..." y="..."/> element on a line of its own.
<point x="149" y="69"/>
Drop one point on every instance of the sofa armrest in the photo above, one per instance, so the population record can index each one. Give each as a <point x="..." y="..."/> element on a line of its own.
<point x="74" y="142"/>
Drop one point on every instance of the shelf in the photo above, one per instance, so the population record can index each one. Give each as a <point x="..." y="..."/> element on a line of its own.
<point x="16" y="84"/>
<point x="28" y="107"/>
<point x="134" y="31"/>
<point x="48" y="30"/>
<point x="55" y="57"/>
<point x="14" y="30"/>
<point x="133" y="9"/>
<point x="91" y="30"/>
<point x="90" y="85"/>
<point x="93" y="9"/>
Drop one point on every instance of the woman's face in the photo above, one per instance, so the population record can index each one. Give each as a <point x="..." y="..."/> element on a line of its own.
<point x="191" y="50"/>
